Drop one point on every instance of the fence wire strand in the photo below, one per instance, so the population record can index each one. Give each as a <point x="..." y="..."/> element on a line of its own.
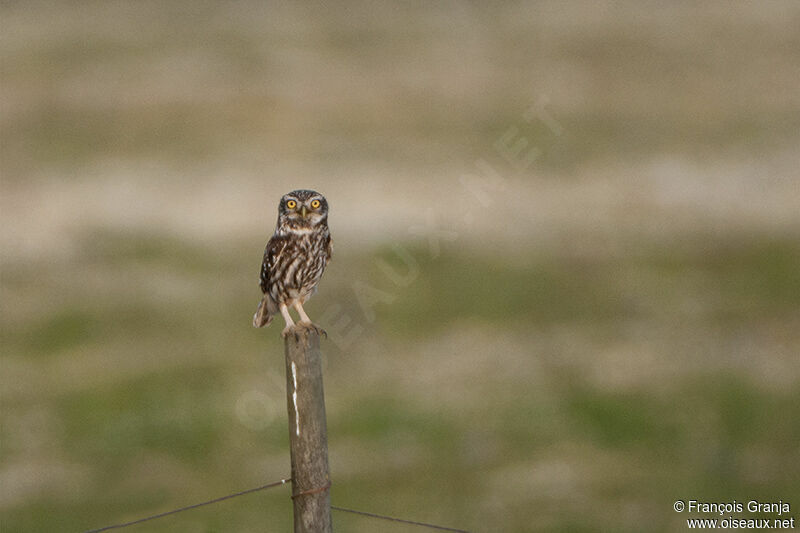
<point x="269" y="486"/>
<point x="189" y="507"/>
<point x="393" y="519"/>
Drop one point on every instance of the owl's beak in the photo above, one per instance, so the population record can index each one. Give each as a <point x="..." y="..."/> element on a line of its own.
<point x="303" y="211"/>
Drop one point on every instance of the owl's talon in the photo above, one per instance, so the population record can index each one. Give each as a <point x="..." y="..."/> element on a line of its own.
<point x="297" y="330"/>
<point x="313" y="327"/>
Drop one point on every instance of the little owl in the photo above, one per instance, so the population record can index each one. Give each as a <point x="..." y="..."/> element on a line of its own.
<point x="294" y="258"/>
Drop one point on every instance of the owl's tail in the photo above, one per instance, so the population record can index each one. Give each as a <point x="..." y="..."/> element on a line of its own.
<point x="263" y="315"/>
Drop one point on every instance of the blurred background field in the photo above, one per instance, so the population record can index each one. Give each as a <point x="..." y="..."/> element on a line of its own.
<point x="567" y="345"/>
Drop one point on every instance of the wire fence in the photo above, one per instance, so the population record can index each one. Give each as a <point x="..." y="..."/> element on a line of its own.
<point x="393" y="519"/>
<point x="190" y="507"/>
<point x="264" y="487"/>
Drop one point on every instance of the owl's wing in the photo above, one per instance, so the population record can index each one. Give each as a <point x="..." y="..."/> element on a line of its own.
<point x="328" y="248"/>
<point x="272" y="254"/>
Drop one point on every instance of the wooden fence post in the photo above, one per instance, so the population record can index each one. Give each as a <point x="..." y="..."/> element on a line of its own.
<point x="308" y="438"/>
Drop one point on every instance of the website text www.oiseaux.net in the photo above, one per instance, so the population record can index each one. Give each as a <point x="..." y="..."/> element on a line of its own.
<point x="779" y="508"/>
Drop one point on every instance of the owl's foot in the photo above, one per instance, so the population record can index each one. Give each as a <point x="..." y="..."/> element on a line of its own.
<point x="313" y="327"/>
<point x="290" y="326"/>
<point x="289" y="330"/>
<point x="297" y="330"/>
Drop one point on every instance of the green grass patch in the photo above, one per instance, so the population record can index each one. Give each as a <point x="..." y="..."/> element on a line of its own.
<point x="172" y="412"/>
<point x="717" y="434"/>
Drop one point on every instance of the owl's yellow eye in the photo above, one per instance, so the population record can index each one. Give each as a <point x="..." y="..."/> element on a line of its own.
<point x="315" y="204"/>
<point x="291" y="204"/>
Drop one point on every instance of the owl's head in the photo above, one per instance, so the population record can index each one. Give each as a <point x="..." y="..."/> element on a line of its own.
<point x="302" y="209"/>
